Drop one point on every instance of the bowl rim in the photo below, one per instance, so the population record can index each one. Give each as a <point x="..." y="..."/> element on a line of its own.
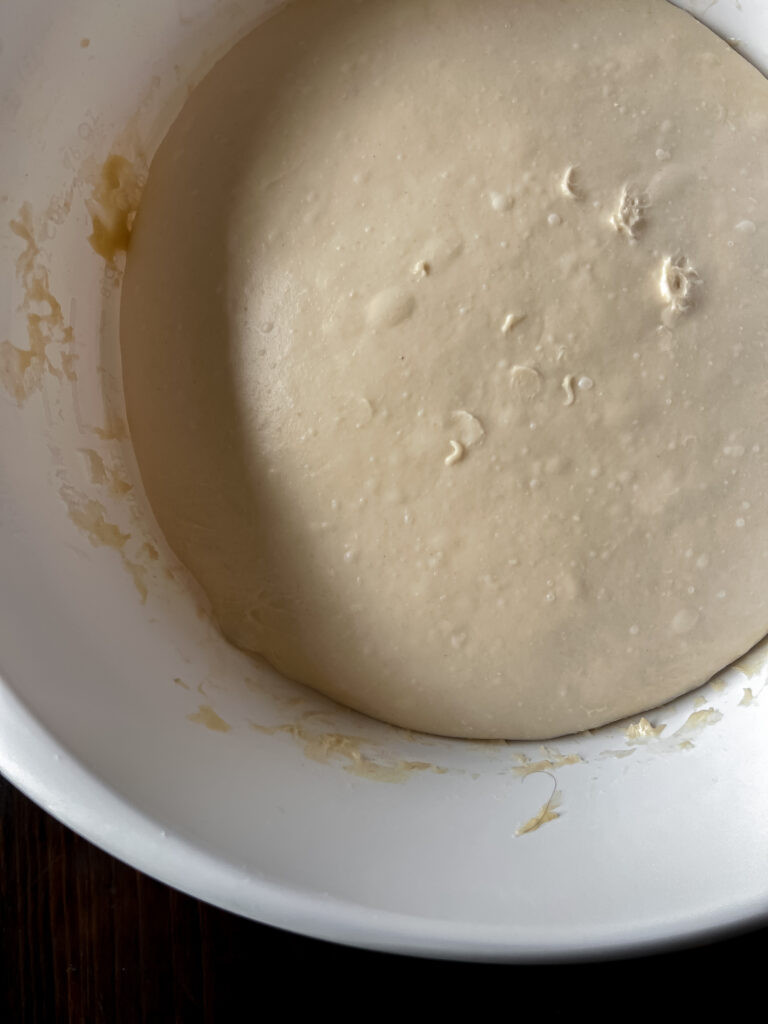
<point x="45" y="771"/>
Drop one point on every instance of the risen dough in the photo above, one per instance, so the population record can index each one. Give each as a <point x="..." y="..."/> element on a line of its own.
<point x="444" y="338"/>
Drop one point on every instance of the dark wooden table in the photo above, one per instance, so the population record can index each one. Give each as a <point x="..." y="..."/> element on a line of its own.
<point x="84" y="938"/>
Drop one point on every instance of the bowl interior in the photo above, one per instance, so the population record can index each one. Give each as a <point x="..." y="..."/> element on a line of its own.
<point x="125" y="712"/>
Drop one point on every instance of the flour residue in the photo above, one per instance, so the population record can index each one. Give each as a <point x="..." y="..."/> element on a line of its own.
<point x="114" y="428"/>
<point x="332" y="747"/>
<point x="50" y="354"/>
<point x="699" y="720"/>
<point x="618" y="754"/>
<point x="113" y="205"/>
<point x="50" y="337"/>
<point x="553" y="760"/>
<point x="91" y="517"/>
<point x="207" y="717"/>
<point x="100" y="474"/>
<point x="754" y="661"/>
<point x="548" y="812"/>
<point x="642" y="731"/>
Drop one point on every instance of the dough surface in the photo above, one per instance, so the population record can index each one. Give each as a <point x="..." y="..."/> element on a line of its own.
<point x="444" y="336"/>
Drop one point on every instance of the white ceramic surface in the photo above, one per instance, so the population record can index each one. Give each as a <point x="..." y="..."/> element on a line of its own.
<point x="666" y="842"/>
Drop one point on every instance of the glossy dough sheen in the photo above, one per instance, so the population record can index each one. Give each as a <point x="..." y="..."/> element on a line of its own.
<point x="444" y="337"/>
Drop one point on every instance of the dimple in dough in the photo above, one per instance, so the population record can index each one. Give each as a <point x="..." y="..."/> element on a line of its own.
<point x="444" y="338"/>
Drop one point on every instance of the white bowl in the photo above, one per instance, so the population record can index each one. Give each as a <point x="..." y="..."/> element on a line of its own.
<point x="300" y="826"/>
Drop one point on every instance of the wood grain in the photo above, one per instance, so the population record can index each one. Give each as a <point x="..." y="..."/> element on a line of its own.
<point x="84" y="938"/>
